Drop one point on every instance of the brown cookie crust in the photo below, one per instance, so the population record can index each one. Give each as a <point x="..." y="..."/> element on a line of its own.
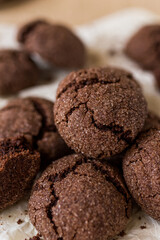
<point x="33" y="118"/>
<point x="81" y="199"/>
<point x="25" y="30"/>
<point x="49" y="142"/>
<point x="99" y="111"/>
<point x="57" y="44"/>
<point x="17" y="71"/>
<point x="141" y="172"/>
<point x="19" y="164"/>
<point x="143" y="47"/>
<point x="152" y="122"/>
<point x="19" y="118"/>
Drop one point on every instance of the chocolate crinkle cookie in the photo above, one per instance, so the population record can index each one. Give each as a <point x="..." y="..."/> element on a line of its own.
<point x="19" y="164"/>
<point x="76" y="198"/>
<point x="141" y="172"/>
<point x="17" y="71"/>
<point x="99" y="111"/>
<point x="33" y="118"/>
<point x="144" y="47"/>
<point x="55" y="43"/>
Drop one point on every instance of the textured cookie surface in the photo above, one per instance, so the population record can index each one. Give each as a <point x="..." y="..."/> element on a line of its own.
<point x="17" y="71"/>
<point x="142" y="170"/>
<point x="99" y="111"/>
<point x="19" y="165"/>
<point x="33" y="118"/>
<point x="55" y="43"/>
<point x="144" y="48"/>
<point x="152" y="122"/>
<point x="79" y="199"/>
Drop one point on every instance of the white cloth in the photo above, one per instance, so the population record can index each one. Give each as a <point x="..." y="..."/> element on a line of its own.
<point x="101" y="37"/>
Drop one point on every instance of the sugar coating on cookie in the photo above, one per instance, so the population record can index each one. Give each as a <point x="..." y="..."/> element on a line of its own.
<point x="17" y="71"/>
<point x="99" y="111"/>
<point x="55" y="43"/>
<point x="19" y="164"/>
<point x="142" y="170"/>
<point x="81" y="199"/>
<point x="144" y="48"/>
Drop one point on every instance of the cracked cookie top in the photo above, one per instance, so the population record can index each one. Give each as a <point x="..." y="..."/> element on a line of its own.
<point x="55" y="43"/>
<point x="76" y="198"/>
<point x="99" y="111"/>
<point x="142" y="170"/>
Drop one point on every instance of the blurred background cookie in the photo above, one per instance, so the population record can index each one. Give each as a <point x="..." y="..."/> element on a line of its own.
<point x="17" y="71"/>
<point x="56" y="44"/>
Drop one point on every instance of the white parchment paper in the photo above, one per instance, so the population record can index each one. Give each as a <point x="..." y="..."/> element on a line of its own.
<point x="105" y="39"/>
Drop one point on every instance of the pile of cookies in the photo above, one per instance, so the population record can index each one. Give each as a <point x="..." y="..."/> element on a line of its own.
<point x="56" y="44"/>
<point x="96" y="148"/>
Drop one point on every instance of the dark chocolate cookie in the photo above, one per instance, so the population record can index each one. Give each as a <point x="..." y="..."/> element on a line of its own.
<point x="142" y="170"/>
<point x="144" y="47"/>
<point x="17" y="71"/>
<point x="49" y="142"/>
<point x="76" y="198"/>
<point x="19" y="164"/>
<point x="56" y="44"/>
<point x="33" y="118"/>
<point x="99" y="111"/>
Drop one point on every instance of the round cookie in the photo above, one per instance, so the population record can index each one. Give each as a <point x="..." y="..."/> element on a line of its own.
<point x="17" y="71"/>
<point x="19" y="164"/>
<point x="81" y="199"/>
<point x="33" y="118"/>
<point x="99" y="111"/>
<point x="143" y="47"/>
<point x="141" y="172"/>
<point x="56" y="44"/>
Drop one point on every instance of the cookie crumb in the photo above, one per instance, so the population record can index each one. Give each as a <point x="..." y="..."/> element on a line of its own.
<point x="26" y="211"/>
<point x="122" y="234"/>
<point x="20" y="221"/>
<point x="143" y="227"/>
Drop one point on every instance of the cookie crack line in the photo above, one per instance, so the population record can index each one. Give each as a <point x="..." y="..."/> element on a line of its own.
<point x="114" y="183"/>
<point x="59" y="177"/>
<point x="42" y="129"/>
<point x="55" y="199"/>
<point x="84" y="83"/>
<point x="114" y="128"/>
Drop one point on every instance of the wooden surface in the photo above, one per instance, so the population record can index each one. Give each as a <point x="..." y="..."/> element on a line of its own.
<point x="72" y="12"/>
